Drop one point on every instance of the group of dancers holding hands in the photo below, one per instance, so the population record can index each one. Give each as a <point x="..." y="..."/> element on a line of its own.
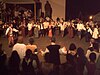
<point x="50" y="28"/>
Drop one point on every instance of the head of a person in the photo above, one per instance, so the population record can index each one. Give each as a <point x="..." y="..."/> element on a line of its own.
<point x="10" y="25"/>
<point x="20" y="39"/>
<point x="28" y="53"/>
<point x="47" y="2"/>
<point x="31" y="41"/>
<point x="72" y="47"/>
<point x="92" y="57"/>
<point x="92" y="41"/>
<point x="53" y="39"/>
<point x="80" y="52"/>
<point x="14" y="56"/>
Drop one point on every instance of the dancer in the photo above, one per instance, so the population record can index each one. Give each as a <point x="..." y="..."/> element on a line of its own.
<point x="9" y="34"/>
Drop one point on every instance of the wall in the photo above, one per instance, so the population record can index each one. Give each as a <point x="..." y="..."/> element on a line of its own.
<point x="58" y="8"/>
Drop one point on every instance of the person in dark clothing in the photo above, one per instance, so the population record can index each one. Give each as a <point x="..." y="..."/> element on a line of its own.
<point x="69" y="67"/>
<point x="46" y="66"/>
<point x="53" y="49"/>
<point x="14" y="64"/>
<point x="81" y="61"/>
<point x="54" y="52"/>
<point x="91" y="65"/>
<point x="15" y="25"/>
<point x="65" y="31"/>
<point x="3" y="58"/>
<point x="27" y="64"/>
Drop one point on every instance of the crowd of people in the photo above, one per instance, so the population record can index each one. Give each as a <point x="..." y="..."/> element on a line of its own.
<point x="24" y="59"/>
<point x="48" y="27"/>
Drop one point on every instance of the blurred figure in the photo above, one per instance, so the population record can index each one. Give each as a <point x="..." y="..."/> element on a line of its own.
<point x="53" y="49"/>
<point x="91" y="65"/>
<point x="3" y="59"/>
<point x="50" y="35"/>
<point x="20" y="47"/>
<point x="71" y="30"/>
<point x="69" y="67"/>
<point x="27" y="64"/>
<point x="30" y="26"/>
<point x="97" y="71"/>
<point x="88" y="34"/>
<point x="47" y="67"/>
<point x="31" y="46"/>
<point x="22" y="28"/>
<point x="36" y="30"/>
<point x="80" y="29"/>
<point x="14" y="64"/>
<point x="72" y="49"/>
<point x="9" y="34"/>
<point x="81" y="61"/>
<point x="93" y="49"/>
<point x="95" y="34"/>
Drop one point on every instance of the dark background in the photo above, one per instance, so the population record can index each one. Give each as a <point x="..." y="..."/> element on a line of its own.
<point x="81" y="8"/>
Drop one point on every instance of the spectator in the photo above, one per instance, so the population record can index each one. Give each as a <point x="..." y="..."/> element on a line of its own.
<point x="91" y="65"/>
<point x="27" y="64"/>
<point x="72" y="49"/>
<point x="81" y="61"/>
<point x="3" y="58"/>
<point x="94" y="49"/>
<point x="47" y="67"/>
<point x="14" y="63"/>
<point x="97" y="72"/>
<point x="31" y="46"/>
<point x="69" y="67"/>
<point x="36" y="64"/>
<point x="20" y="47"/>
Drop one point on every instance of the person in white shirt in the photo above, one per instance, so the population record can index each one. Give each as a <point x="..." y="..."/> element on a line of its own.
<point x="93" y="49"/>
<point x="30" y="26"/>
<point x="80" y="27"/>
<point x="95" y="33"/>
<point x="9" y="34"/>
<point x="46" y="24"/>
<point x="20" y="47"/>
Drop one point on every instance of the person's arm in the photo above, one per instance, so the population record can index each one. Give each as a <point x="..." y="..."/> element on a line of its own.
<point x="15" y="30"/>
<point x="7" y="31"/>
<point x="43" y="52"/>
<point x="63" y="50"/>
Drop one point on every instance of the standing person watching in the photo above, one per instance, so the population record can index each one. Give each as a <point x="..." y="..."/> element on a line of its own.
<point x="20" y="47"/>
<point x="31" y="46"/>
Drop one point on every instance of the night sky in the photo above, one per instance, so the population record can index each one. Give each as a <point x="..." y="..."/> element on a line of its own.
<point x="81" y="8"/>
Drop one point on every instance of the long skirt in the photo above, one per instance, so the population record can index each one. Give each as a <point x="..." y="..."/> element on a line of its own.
<point x="50" y="33"/>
